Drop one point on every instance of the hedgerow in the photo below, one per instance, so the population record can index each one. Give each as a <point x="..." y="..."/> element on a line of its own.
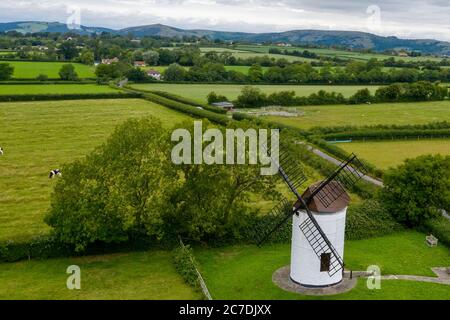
<point x="184" y="108"/>
<point x="72" y="96"/>
<point x="187" y="101"/>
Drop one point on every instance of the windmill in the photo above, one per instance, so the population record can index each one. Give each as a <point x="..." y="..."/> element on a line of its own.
<point x="315" y="259"/>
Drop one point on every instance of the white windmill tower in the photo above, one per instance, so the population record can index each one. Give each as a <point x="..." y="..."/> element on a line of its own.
<point x="318" y="221"/>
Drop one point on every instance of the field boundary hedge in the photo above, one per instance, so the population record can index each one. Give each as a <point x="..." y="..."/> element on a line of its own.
<point x="388" y="135"/>
<point x="187" y="267"/>
<point x="187" y="101"/>
<point x="76" y="96"/>
<point x="183" y="108"/>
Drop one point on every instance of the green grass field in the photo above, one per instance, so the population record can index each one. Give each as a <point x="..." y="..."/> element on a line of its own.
<point x="385" y="154"/>
<point x="199" y="92"/>
<point x="245" y="272"/>
<point x="384" y="113"/>
<point x="40" y="136"/>
<point x="30" y="70"/>
<point x="138" y="276"/>
<point x="354" y="55"/>
<point x="55" y="89"/>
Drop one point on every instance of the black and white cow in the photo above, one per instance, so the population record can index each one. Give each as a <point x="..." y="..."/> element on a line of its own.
<point x="54" y="173"/>
<point x="1" y="151"/>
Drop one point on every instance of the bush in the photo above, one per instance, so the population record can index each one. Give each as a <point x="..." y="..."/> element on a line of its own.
<point x="440" y="228"/>
<point x="416" y="191"/>
<point x="186" y="266"/>
<point x="67" y="72"/>
<point x="214" y="97"/>
<point x="6" y="71"/>
<point x="42" y="77"/>
<point x="369" y="219"/>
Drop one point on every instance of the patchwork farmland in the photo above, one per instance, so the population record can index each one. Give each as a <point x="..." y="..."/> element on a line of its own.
<point x="131" y="208"/>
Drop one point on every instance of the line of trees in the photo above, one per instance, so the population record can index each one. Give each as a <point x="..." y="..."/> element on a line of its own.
<point x="252" y="97"/>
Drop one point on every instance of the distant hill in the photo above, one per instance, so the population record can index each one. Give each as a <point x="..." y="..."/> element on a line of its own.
<point x="349" y="39"/>
<point x="37" y="26"/>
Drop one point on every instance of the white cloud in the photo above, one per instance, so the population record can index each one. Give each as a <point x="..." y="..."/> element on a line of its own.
<point x="403" y="18"/>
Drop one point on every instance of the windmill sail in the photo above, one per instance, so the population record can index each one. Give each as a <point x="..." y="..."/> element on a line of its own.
<point x="345" y="176"/>
<point x="330" y="190"/>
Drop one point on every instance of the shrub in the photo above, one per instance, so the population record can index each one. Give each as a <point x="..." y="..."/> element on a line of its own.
<point x="6" y="71"/>
<point x="185" y="265"/>
<point x="440" y="228"/>
<point x="42" y="77"/>
<point x="67" y="72"/>
<point x="369" y="219"/>
<point x="214" y="97"/>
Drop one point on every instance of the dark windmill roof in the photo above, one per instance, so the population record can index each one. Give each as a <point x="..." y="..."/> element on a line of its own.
<point x="317" y="206"/>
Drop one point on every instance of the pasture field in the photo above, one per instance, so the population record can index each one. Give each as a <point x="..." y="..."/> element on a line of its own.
<point x="54" y="89"/>
<point x="31" y="69"/>
<point x="245" y="272"/>
<point x="359" y="115"/>
<point x="386" y="154"/>
<point x="136" y="276"/>
<point x="354" y="55"/>
<point x="199" y="92"/>
<point x="41" y="136"/>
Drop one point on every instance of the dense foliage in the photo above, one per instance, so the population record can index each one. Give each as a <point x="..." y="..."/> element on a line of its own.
<point x="369" y="219"/>
<point x="417" y="190"/>
<point x="129" y="186"/>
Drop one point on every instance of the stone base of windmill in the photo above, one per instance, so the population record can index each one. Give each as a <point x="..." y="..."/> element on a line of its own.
<point x="282" y="279"/>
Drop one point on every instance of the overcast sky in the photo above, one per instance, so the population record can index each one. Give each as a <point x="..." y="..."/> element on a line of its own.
<point x="402" y="18"/>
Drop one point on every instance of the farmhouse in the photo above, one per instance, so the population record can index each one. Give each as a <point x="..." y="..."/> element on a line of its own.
<point x="154" y="74"/>
<point x="224" y="105"/>
<point x="139" y="64"/>
<point x="110" y="61"/>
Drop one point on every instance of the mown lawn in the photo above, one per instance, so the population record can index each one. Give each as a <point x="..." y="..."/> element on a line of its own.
<point x="31" y="69"/>
<point x="200" y="92"/>
<point x="359" y="115"/>
<point x="40" y="136"/>
<point x="143" y="275"/>
<point x="245" y="272"/>
<point x="385" y="154"/>
<point x="55" y="89"/>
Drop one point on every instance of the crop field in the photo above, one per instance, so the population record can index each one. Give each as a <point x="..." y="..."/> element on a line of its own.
<point x="359" y="115"/>
<point x="30" y="70"/>
<point x="55" y="89"/>
<point x="41" y="136"/>
<point x="245" y="272"/>
<point x="199" y="92"/>
<point x="136" y="276"/>
<point x="385" y="154"/>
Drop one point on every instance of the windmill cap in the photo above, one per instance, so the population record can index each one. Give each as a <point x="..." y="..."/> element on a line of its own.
<point x="317" y="206"/>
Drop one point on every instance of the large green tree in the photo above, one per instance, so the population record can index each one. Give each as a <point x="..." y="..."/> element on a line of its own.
<point x="130" y="186"/>
<point x="417" y="190"/>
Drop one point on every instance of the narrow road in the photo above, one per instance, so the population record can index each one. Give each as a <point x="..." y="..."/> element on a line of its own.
<point x="367" y="178"/>
<point x="337" y="162"/>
